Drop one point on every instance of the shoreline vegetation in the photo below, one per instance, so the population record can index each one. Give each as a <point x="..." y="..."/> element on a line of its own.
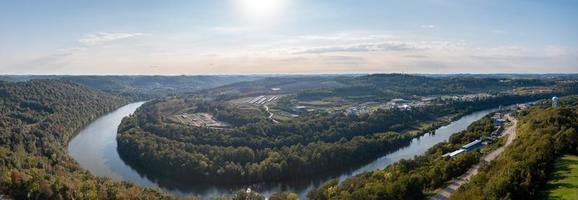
<point x="413" y="178"/>
<point x="521" y="173"/>
<point x="39" y="117"/>
<point x="221" y="155"/>
<point x="544" y="134"/>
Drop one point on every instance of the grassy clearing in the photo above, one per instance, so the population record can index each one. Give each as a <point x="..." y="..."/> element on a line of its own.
<point x="280" y="115"/>
<point x="563" y="183"/>
<point x="419" y="128"/>
<point x="317" y="103"/>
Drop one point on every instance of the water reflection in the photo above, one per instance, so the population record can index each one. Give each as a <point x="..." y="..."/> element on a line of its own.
<point x="95" y="149"/>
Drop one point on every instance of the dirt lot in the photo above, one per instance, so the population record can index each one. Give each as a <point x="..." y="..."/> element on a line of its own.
<point x="197" y="119"/>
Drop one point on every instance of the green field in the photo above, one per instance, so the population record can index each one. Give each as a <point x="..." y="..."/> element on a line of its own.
<point x="564" y="181"/>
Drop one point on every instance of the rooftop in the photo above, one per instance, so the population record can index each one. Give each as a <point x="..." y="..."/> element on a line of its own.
<point x="471" y="144"/>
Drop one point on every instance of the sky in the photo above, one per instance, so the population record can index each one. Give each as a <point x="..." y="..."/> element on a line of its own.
<point x="176" y="37"/>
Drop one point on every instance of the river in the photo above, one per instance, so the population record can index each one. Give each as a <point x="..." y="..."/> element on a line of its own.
<point x="95" y="149"/>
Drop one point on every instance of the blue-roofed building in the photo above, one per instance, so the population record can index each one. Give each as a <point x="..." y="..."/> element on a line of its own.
<point x="472" y="145"/>
<point x="454" y="153"/>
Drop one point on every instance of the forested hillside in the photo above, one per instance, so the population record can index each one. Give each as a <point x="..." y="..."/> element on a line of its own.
<point x="410" y="179"/>
<point x="380" y="86"/>
<point x="143" y="87"/>
<point x="37" y="119"/>
<point x="255" y="149"/>
<point x="544" y="134"/>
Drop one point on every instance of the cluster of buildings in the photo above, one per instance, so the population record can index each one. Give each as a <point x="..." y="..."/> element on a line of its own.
<point x="524" y="106"/>
<point x="468" y="97"/>
<point x="425" y="101"/>
<point x="468" y="147"/>
<point x="498" y="121"/>
<point x="398" y="103"/>
<point x="406" y="104"/>
<point x="402" y="104"/>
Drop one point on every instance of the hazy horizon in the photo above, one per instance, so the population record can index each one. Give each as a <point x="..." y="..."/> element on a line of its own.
<point x="252" y="37"/>
<point x="300" y="74"/>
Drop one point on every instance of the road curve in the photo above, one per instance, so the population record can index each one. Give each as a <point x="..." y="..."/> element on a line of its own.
<point x="270" y="114"/>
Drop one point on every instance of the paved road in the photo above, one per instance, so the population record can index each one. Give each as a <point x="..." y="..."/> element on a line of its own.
<point x="446" y="192"/>
<point x="511" y="133"/>
<point x="270" y="114"/>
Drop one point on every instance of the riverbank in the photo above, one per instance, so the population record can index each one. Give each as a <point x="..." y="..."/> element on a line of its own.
<point x="453" y="185"/>
<point x="101" y="139"/>
<point x="42" y="116"/>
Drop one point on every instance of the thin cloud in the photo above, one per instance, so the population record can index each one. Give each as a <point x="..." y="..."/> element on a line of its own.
<point x="230" y="29"/>
<point x="428" y="26"/>
<point x="499" y="31"/>
<point x="359" y="48"/>
<point x="103" y="37"/>
<point x="384" y="46"/>
<point x="48" y="63"/>
<point x="353" y="36"/>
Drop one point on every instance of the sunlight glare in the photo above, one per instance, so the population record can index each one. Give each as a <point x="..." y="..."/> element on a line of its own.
<point x="262" y="9"/>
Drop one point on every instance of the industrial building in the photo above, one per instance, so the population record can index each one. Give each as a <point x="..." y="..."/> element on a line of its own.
<point x="472" y="145"/>
<point x="468" y="147"/>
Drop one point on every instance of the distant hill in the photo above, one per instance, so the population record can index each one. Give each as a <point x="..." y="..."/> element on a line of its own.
<point x="143" y="87"/>
<point x="308" y="86"/>
<point x="382" y="85"/>
<point x="511" y="76"/>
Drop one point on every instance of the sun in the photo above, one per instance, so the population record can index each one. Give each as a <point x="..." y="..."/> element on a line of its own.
<point x="261" y="9"/>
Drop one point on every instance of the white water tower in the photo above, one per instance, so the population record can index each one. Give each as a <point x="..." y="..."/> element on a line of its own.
<point x="555" y="102"/>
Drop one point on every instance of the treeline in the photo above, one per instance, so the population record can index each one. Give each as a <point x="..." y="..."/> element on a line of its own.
<point x="140" y="88"/>
<point x="381" y="86"/>
<point x="544" y="134"/>
<point x="265" y="151"/>
<point x="404" y="85"/>
<point x="37" y="119"/>
<point x="410" y="179"/>
<point x="248" y="195"/>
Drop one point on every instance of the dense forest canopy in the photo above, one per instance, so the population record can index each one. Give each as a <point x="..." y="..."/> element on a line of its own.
<point x="410" y="179"/>
<point x="143" y="87"/>
<point x="37" y="119"/>
<point x="545" y="133"/>
<point x="310" y="86"/>
<point x="382" y="86"/>
<point x="255" y="149"/>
